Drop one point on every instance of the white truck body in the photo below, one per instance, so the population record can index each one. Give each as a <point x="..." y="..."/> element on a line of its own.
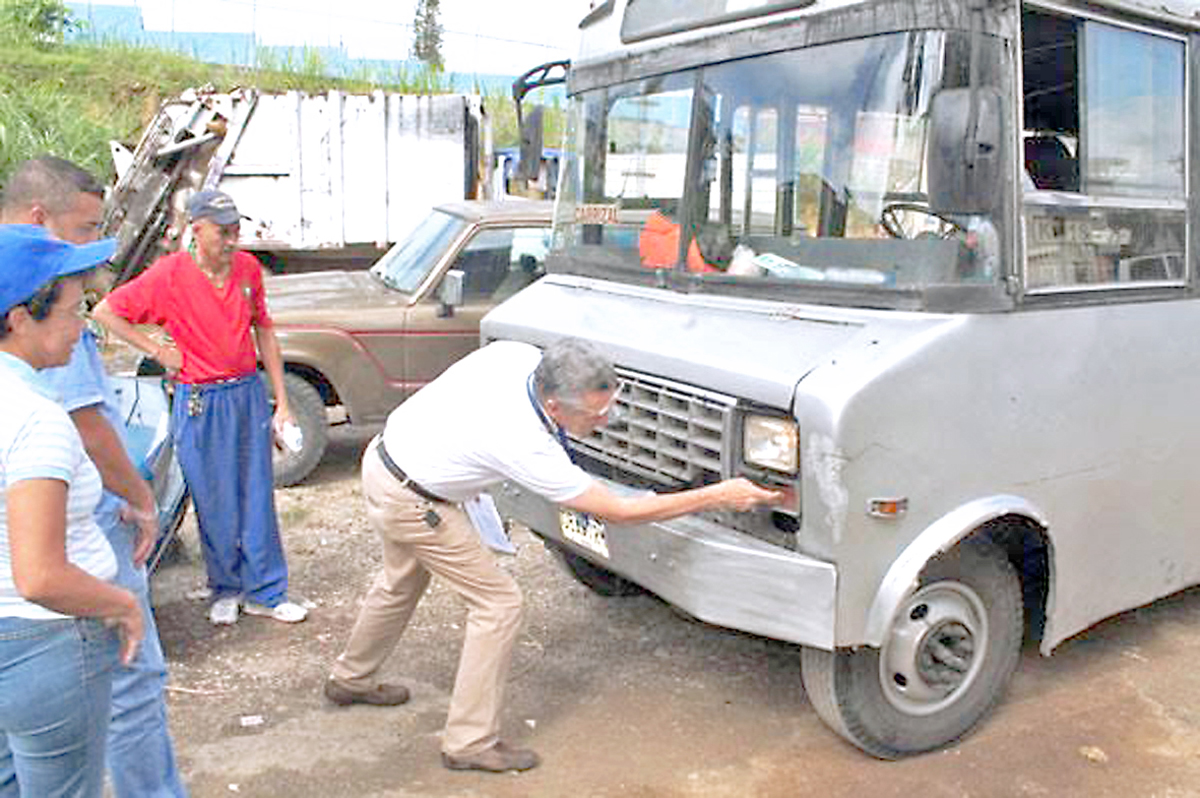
<point x="317" y="176"/>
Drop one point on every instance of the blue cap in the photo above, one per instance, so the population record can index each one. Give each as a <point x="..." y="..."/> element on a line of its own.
<point x="215" y="205"/>
<point x="30" y="258"/>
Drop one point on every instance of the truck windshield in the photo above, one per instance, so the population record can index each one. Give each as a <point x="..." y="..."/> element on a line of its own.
<point x="406" y="264"/>
<point x="803" y="169"/>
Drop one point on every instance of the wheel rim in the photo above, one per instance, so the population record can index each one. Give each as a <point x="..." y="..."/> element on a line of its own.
<point x="935" y="648"/>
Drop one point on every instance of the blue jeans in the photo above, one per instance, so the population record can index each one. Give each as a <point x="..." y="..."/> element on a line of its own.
<point x="223" y="441"/>
<point x="55" y="681"/>
<point x="141" y="759"/>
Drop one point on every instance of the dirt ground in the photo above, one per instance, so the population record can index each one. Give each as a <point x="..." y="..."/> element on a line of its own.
<point x="245" y="701"/>
<point x="626" y="697"/>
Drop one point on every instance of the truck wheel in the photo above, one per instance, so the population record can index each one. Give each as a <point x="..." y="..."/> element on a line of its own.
<point x="600" y="580"/>
<point x="944" y="664"/>
<point x="309" y="410"/>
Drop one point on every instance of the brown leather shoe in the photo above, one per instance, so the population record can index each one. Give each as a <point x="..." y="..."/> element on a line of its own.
<point x="498" y="759"/>
<point x="381" y="695"/>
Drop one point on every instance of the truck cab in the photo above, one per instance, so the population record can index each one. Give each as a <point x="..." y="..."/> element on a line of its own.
<point x="357" y="343"/>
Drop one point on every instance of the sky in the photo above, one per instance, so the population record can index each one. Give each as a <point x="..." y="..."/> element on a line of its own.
<point x="481" y="36"/>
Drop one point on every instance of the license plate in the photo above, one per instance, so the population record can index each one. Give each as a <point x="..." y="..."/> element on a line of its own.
<point x="583" y="530"/>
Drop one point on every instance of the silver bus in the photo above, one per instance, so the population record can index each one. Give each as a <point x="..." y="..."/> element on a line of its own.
<point x="930" y="263"/>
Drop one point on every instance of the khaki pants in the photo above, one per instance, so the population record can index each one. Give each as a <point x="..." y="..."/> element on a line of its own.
<point x="412" y="552"/>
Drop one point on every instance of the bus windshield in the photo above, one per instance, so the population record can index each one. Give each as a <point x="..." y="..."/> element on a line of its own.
<point x="804" y="168"/>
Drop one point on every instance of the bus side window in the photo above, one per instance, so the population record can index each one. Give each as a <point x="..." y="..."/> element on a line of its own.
<point x="1106" y="200"/>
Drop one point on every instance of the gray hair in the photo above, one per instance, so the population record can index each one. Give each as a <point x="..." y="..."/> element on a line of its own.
<point x="49" y="181"/>
<point x="571" y="368"/>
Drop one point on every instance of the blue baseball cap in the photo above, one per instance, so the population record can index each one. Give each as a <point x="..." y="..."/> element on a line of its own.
<point x="215" y="205"/>
<point x="30" y="258"/>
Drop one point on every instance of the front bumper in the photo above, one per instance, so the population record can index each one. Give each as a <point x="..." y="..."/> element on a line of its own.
<point x="713" y="573"/>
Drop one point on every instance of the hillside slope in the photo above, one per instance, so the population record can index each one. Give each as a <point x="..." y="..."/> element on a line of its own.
<point x="72" y="99"/>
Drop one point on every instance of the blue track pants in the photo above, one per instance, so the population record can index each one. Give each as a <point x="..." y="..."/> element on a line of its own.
<point x="222" y="435"/>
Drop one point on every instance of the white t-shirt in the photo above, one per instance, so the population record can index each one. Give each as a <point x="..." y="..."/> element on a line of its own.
<point x="39" y="441"/>
<point x="475" y="426"/>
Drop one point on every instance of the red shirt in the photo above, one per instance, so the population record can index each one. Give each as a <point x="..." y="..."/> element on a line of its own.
<point x="209" y="325"/>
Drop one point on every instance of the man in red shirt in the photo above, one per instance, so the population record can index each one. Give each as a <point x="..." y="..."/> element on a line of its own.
<point x="210" y="299"/>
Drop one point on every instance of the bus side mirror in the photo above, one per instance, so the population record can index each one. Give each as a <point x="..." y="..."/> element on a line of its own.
<point x="964" y="169"/>
<point x="450" y="292"/>
<point x="531" y="145"/>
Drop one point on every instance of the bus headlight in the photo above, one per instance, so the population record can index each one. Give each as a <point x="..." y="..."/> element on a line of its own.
<point x="771" y="442"/>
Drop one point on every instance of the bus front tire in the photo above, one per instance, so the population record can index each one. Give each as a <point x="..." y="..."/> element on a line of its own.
<point x="944" y="664"/>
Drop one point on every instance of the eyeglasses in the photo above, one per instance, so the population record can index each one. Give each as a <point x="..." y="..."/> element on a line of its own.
<point x="608" y="410"/>
<point x="611" y="404"/>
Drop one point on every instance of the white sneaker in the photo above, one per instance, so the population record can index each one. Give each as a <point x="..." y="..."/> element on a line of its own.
<point x="224" y="611"/>
<point x="285" y="611"/>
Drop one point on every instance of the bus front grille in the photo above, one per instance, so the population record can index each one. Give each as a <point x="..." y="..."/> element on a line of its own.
<point x="663" y="432"/>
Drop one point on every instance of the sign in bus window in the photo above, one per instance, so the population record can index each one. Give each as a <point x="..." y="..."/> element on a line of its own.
<point x="1077" y="247"/>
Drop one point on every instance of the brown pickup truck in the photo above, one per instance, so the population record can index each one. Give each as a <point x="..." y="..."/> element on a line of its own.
<point x="357" y="343"/>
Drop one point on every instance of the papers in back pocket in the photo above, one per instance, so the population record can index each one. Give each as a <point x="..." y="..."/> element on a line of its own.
<point x="486" y="520"/>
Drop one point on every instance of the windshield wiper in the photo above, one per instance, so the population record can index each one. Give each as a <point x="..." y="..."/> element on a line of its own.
<point x="382" y="277"/>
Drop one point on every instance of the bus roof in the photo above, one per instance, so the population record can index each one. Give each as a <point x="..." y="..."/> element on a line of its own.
<point x="608" y="53"/>
<point x="650" y="19"/>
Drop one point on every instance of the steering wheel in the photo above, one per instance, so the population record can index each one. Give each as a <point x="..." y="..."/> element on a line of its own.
<point x="892" y="221"/>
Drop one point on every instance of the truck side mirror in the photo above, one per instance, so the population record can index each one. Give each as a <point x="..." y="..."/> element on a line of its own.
<point x="964" y="165"/>
<point x="531" y="145"/>
<point x="450" y="292"/>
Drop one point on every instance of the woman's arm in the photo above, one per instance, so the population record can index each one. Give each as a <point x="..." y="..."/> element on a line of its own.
<point x="43" y="574"/>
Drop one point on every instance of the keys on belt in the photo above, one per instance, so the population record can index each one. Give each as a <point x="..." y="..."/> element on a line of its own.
<point x="195" y="401"/>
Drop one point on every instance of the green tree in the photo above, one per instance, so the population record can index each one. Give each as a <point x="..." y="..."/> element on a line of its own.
<point x="38" y="21"/>
<point x="427" y="35"/>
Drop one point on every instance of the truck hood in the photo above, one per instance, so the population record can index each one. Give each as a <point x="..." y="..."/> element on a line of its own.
<point x="754" y="349"/>
<point x="344" y="290"/>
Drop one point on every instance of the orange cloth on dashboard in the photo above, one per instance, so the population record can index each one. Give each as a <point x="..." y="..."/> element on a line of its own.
<point x="658" y="245"/>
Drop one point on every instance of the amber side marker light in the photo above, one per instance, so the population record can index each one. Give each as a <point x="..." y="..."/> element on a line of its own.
<point x="887" y="508"/>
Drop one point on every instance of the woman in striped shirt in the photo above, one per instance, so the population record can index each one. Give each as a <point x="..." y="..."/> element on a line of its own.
<point x="63" y="625"/>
